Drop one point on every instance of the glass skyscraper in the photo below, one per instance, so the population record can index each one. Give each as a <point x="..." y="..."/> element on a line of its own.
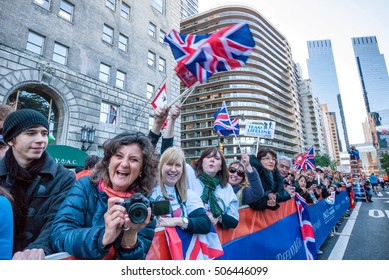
<point x="374" y="79"/>
<point x="322" y="72"/>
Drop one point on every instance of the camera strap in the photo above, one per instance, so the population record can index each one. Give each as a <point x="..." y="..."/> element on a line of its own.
<point x="182" y="204"/>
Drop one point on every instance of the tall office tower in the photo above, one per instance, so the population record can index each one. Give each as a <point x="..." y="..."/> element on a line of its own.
<point x="263" y="90"/>
<point x="188" y="8"/>
<point x="92" y="64"/>
<point x="374" y="79"/>
<point x="313" y="119"/>
<point x="322" y="72"/>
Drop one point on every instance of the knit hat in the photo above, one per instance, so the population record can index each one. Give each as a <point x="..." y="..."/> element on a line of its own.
<point x="21" y="120"/>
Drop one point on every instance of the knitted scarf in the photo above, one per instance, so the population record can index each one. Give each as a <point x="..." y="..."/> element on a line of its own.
<point x="208" y="195"/>
<point x="21" y="180"/>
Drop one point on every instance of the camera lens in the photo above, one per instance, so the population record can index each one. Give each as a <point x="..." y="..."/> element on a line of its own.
<point x="137" y="213"/>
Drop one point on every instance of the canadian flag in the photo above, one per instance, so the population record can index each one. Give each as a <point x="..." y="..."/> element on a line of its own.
<point x="159" y="100"/>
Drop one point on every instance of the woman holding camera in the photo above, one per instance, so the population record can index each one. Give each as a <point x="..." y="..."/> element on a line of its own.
<point x="187" y="209"/>
<point x="92" y="223"/>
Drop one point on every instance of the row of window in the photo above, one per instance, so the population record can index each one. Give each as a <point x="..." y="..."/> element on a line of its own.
<point x="66" y="10"/>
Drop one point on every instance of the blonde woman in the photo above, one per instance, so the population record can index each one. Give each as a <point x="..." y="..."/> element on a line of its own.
<point x="245" y="181"/>
<point x="187" y="209"/>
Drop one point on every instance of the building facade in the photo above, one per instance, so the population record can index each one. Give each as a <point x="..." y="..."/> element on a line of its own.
<point x="322" y="72"/>
<point x="93" y="64"/>
<point x="374" y="80"/>
<point x="262" y="90"/>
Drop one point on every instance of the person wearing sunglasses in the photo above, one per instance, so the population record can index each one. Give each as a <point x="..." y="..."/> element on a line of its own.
<point x="245" y="181"/>
<point x="272" y="181"/>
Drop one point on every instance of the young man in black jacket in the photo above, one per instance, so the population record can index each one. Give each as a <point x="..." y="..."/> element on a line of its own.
<point x="37" y="184"/>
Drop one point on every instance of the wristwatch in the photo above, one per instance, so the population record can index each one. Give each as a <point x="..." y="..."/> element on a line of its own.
<point x="185" y="223"/>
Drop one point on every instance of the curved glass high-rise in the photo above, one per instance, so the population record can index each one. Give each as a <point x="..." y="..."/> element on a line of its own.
<point x="265" y="89"/>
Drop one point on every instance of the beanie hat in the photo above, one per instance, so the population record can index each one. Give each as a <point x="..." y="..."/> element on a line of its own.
<point x="21" y="120"/>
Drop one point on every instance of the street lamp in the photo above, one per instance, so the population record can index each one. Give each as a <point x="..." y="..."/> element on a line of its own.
<point x="87" y="136"/>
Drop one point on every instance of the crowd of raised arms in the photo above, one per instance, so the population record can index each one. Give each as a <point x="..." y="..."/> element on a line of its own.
<point x="48" y="210"/>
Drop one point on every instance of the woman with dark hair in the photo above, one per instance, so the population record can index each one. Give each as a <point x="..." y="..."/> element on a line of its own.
<point x="245" y="181"/>
<point x="6" y="224"/>
<point x="92" y="223"/>
<point x="208" y="177"/>
<point x="272" y="181"/>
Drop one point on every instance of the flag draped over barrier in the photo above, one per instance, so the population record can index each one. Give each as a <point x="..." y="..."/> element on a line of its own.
<point x="306" y="228"/>
<point x="188" y="246"/>
<point x="223" y="124"/>
<point x="198" y="56"/>
<point x="306" y="160"/>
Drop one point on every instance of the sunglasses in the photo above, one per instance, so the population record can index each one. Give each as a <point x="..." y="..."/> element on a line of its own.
<point x="233" y="170"/>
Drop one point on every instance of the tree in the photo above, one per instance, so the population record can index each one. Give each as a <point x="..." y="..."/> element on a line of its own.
<point x="385" y="162"/>
<point x="324" y="161"/>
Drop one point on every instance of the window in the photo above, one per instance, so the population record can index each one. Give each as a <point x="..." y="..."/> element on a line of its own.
<point x="123" y="42"/>
<point x="110" y="4"/>
<point x="43" y="3"/>
<point x="120" y="79"/>
<point x="162" y="35"/>
<point x="162" y="65"/>
<point x="60" y="53"/>
<point x="104" y="72"/>
<point x="107" y="34"/>
<point x="108" y="113"/>
<point x="35" y="43"/>
<point x="125" y="11"/>
<point x="151" y="59"/>
<point x="152" y="30"/>
<point x="150" y="90"/>
<point x="159" y="5"/>
<point x="66" y="11"/>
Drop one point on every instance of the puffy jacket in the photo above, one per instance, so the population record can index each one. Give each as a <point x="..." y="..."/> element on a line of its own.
<point x="79" y="226"/>
<point x="271" y="184"/>
<point x="46" y="193"/>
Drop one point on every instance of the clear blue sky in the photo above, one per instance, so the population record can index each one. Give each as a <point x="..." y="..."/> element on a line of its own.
<point x="338" y="20"/>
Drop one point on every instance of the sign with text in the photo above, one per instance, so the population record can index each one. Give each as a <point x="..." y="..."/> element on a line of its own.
<point x="260" y="129"/>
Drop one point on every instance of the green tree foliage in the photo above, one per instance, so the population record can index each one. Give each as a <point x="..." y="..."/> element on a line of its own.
<point x="325" y="161"/>
<point x="385" y="162"/>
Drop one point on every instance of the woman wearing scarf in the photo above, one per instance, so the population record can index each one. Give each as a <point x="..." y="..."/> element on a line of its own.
<point x="272" y="181"/>
<point x="209" y="179"/>
<point x="91" y="223"/>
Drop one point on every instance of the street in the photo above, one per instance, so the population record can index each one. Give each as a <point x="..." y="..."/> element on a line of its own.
<point x="364" y="235"/>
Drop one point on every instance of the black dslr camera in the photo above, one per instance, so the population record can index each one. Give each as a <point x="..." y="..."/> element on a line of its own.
<point x="136" y="207"/>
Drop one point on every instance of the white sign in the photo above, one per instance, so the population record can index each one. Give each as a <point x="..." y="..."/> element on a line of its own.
<point x="342" y="168"/>
<point x="260" y="129"/>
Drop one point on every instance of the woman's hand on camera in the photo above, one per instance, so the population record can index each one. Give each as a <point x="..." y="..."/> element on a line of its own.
<point x="114" y="220"/>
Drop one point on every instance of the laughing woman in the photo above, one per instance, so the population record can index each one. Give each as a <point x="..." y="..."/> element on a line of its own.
<point x="91" y="223"/>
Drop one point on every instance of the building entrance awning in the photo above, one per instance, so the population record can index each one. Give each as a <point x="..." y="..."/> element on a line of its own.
<point x="66" y="155"/>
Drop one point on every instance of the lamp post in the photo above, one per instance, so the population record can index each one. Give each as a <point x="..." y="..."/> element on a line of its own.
<point x="87" y="136"/>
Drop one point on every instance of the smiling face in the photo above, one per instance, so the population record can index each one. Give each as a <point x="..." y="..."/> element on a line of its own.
<point x="29" y="145"/>
<point x="233" y="176"/>
<point x="212" y="164"/>
<point x="171" y="173"/>
<point x="125" y="166"/>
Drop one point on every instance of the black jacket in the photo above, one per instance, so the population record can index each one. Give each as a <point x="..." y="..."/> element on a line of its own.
<point x="46" y="195"/>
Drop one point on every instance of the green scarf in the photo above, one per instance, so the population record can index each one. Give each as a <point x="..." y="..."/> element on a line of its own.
<point x="208" y="195"/>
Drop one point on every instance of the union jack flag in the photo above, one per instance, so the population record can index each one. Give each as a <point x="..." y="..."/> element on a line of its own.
<point x="306" y="160"/>
<point x="306" y="228"/>
<point x="188" y="246"/>
<point x="160" y="100"/>
<point x="223" y="125"/>
<point x="198" y="56"/>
